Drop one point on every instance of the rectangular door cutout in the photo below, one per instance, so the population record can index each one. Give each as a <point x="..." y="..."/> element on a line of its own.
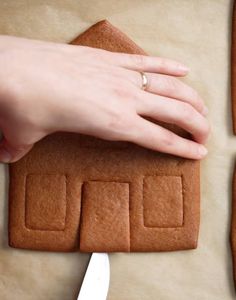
<point x="105" y="217"/>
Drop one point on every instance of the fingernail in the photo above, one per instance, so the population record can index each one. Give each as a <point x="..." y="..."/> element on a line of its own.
<point x="183" y="68"/>
<point x="205" y="111"/>
<point x="5" y="156"/>
<point x="202" y="151"/>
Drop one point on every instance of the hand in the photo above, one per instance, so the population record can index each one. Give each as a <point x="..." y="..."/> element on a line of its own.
<point x="48" y="87"/>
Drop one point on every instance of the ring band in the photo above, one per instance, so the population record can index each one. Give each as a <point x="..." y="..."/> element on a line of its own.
<point x="144" y="80"/>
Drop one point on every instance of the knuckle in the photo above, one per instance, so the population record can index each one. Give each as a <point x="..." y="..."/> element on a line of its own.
<point x="168" y="139"/>
<point x="124" y="92"/>
<point x="97" y="54"/>
<point x="196" y="98"/>
<point x="187" y="112"/>
<point x="162" y="63"/>
<point x="172" y="84"/>
<point x="115" y="77"/>
<point x="138" y="60"/>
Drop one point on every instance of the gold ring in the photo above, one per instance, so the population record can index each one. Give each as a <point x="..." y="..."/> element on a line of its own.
<point x="144" y="81"/>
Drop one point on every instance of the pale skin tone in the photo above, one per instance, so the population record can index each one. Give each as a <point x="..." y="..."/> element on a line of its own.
<point x="49" y="87"/>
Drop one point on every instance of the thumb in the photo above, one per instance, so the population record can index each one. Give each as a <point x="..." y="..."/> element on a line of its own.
<point x="10" y="153"/>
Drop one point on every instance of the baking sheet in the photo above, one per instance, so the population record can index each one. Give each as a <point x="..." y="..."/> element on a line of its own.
<point x="194" y="32"/>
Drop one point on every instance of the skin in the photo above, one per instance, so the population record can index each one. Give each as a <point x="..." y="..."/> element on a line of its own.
<point x="48" y="87"/>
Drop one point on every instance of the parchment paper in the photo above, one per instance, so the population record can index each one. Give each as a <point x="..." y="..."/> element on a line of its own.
<point x="196" y="32"/>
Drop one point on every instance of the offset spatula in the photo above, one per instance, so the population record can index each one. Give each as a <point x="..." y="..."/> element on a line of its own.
<point x="96" y="280"/>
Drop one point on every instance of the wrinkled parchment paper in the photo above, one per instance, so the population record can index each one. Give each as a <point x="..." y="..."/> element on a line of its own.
<point x="196" y="32"/>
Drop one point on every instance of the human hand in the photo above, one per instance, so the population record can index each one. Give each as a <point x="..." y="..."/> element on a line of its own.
<point x="48" y="87"/>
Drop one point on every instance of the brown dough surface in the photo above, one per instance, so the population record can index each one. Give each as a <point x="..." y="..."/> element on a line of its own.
<point x="233" y="226"/>
<point x="75" y="192"/>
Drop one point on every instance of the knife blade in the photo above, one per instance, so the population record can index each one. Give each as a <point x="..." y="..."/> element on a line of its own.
<point x="97" y="277"/>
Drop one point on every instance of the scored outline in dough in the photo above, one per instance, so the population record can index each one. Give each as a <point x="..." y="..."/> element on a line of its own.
<point x="31" y="227"/>
<point x="182" y="204"/>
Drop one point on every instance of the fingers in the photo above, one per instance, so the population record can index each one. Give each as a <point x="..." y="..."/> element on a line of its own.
<point x="9" y="153"/>
<point x="157" y="138"/>
<point x="147" y="63"/>
<point x="171" y="87"/>
<point x="174" y="112"/>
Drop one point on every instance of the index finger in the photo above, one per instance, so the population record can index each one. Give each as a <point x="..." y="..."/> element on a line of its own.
<point x="152" y="64"/>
